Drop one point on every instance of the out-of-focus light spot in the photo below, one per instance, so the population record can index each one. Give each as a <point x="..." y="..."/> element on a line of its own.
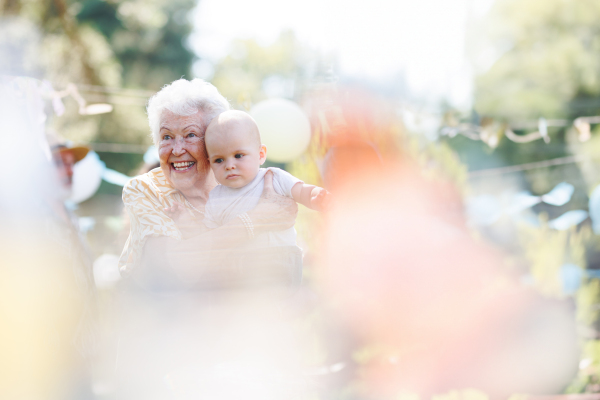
<point x="594" y="207"/>
<point x="483" y="210"/>
<point x="115" y="177"/>
<point x="100" y="108"/>
<point x="586" y="362"/>
<point x="87" y="176"/>
<point x="106" y="271"/>
<point x="568" y="219"/>
<point x="86" y="224"/>
<point x="560" y="195"/>
<point x="203" y="69"/>
<point x="284" y="128"/>
<point x="571" y="276"/>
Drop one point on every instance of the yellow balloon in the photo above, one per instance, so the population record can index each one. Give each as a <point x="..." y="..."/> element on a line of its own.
<point x="284" y="128"/>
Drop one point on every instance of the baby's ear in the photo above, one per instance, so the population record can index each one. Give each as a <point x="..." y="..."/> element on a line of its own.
<point x="263" y="154"/>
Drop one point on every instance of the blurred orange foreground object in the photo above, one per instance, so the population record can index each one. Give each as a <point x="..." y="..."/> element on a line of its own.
<point x="407" y="277"/>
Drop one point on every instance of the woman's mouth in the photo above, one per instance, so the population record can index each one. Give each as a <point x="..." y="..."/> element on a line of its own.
<point x="183" y="165"/>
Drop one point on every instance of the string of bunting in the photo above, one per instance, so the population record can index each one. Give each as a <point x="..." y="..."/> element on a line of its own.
<point x="490" y="133"/>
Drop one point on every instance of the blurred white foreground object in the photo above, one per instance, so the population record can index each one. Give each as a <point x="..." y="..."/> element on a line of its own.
<point x="106" y="271"/>
<point x="87" y="176"/>
<point x="284" y="128"/>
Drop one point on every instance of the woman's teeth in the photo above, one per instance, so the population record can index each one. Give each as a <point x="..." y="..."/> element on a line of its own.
<point x="180" y="166"/>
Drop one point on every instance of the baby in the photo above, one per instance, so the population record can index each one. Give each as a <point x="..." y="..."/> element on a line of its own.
<point x="235" y="153"/>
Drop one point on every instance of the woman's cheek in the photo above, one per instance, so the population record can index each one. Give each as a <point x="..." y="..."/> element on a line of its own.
<point x="201" y="155"/>
<point x="163" y="152"/>
<point x="203" y="164"/>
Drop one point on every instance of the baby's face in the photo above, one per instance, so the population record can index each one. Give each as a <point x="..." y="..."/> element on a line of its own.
<point x="234" y="155"/>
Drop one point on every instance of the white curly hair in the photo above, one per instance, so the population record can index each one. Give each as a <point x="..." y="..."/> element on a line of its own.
<point x="183" y="97"/>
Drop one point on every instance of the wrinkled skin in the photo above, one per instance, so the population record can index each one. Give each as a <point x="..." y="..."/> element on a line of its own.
<point x="181" y="139"/>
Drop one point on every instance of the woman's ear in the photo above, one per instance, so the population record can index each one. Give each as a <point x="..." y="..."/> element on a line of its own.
<point x="263" y="154"/>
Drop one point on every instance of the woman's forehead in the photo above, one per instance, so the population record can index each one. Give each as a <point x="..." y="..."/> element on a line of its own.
<point x="173" y="121"/>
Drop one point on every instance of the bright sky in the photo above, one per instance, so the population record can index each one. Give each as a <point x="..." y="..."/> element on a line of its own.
<point x="375" y="39"/>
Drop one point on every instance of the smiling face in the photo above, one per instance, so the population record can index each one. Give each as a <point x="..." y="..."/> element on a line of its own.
<point x="181" y="151"/>
<point x="234" y="149"/>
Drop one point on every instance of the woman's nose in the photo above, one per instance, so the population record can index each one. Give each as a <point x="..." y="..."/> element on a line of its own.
<point x="179" y="147"/>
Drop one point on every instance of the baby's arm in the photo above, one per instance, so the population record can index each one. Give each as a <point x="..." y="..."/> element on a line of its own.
<point x="313" y="197"/>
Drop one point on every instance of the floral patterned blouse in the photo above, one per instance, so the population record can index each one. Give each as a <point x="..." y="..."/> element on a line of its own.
<point x="145" y="198"/>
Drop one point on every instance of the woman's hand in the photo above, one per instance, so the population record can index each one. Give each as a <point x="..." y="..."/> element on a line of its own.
<point x="174" y="212"/>
<point x="273" y="212"/>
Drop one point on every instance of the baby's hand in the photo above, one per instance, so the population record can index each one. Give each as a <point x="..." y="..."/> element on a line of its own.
<point x="320" y="199"/>
<point x="175" y="212"/>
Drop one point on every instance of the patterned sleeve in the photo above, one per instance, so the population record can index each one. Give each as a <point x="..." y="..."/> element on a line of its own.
<point x="283" y="181"/>
<point x="144" y="203"/>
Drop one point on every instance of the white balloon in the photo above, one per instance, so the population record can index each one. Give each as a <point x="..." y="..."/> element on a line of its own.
<point x="87" y="176"/>
<point x="284" y="128"/>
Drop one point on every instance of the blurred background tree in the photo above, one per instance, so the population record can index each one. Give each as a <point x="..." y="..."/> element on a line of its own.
<point x="253" y="72"/>
<point x="549" y="60"/>
<point x="105" y="47"/>
<point x="118" y="52"/>
<point x="535" y="59"/>
<point x="541" y="59"/>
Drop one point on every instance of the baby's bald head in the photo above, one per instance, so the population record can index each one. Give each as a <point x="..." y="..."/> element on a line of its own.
<point x="229" y="121"/>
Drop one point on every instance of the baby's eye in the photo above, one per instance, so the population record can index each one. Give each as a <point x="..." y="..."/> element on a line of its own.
<point x="239" y="155"/>
<point x="218" y="160"/>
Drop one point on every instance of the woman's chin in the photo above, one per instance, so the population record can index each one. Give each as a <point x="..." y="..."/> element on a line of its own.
<point x="182" y="180"/>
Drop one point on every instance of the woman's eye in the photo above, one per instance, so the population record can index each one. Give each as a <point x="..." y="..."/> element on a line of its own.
<point x="166" y="137"/>
<point x="239" y="155"/>
<point x="191" y="135"/>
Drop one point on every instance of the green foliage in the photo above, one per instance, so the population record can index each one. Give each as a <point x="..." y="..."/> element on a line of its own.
<point x="547" y="65"/>
<point x="587" y="300"/>
<point x="245" y="75"/>
<point x="138" y="44"/>
<point x="587" y="381"/>
<point x="552" y="57"/>
<point x="546" y="250"/>
<point x="147" y="37"/>
<point x="439" y="161"/>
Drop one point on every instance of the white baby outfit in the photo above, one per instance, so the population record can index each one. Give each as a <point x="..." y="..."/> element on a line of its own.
<point x="271" y="257"/>
<point x="225" y="204"/>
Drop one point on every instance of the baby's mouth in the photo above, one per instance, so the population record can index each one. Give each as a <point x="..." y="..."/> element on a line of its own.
<point x="183" y="165"/>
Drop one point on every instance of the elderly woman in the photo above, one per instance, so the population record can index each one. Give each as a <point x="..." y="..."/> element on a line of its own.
<point x="176" y="324"/>
<point x="158" y="253"/>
